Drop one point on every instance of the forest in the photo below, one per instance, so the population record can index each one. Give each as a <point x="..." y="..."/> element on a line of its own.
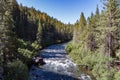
<point x="24" y="31"/>
<point x="93" y="43"/>
<point x="98" y="51"/>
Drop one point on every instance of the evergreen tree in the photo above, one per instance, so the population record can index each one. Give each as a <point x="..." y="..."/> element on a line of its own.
<point x="97" y="11"/>
<point x="2" y="22"/>
<point x="93" y="24"/>
<point x="82" y="22"/>
<point x="75" y="35"/>
<point x="7" y="35"/>
<point x="83" y="30"/>
<point x="111" y="25"/>
<point x="39" y="33"/>
<point x="80" y="28"/>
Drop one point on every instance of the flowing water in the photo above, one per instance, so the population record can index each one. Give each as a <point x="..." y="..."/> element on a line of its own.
<point x="58" y="66"/>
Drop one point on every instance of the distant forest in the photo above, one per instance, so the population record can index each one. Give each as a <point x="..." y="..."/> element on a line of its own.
<point x="29" y="22"/>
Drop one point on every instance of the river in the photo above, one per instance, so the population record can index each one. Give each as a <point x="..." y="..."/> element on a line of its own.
<point x="58" y="66"/>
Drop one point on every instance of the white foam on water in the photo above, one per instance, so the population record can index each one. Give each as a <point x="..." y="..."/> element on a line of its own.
<point x="58" y="62"/>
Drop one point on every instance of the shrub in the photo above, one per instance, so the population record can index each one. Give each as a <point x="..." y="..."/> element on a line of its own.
<point x="25" y="52"/>
<point x="71" y="46"/>
<point x="95" y="61"/>
<point x="118" y="54"/>
<point x="16" y="71"/>
<point x="21" y="43"/>
<point x="117" y="76"/>
<point x="35" y="45"/>
<point x="68" y="48"/>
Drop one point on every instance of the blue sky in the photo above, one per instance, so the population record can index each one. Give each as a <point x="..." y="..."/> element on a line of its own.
<point x="64" y="10"/>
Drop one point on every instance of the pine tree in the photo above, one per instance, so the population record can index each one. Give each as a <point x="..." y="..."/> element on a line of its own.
<point x="111" y="25"/>
<point x="93" y="24"/>
<point x="6" y="29"/>
<point x="80" y="28"/>
<point x="2" y="18"/>
<point x="75" y="35"/>
<point x="97" y="11"/>
<point x="39" y="34"/>
<point x="82" y="22"/>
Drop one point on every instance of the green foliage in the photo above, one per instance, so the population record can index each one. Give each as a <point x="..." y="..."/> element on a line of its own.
<point x="95" y="61"/>
<point x="75" y="51"/>
<point x="118" y="54"/>
<point x="33" y="25"/>
<point x="35" y="45"/>
<point x="25" y="52"/>
<point x="95" y="46"/>
<point x="7" y="36"/>
<point x="69" y="47"/>
<point x="100" y="69"/>
<point x="16" y="71"/>
<point x="34" y="31"/>
<point x="117" y="76"/>
<point x="37" y="30"/>
<point x="32" y="46"/>
<point x="110" y="26"/>
<point x="82" y="22"/>
<point x="105" y="74"/>
<point x="80" y="29"/>
<point x="21" y="43"/>
<point x="39" y="33"/>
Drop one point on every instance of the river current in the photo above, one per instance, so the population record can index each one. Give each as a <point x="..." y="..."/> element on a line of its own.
<point x="58" y="66"/>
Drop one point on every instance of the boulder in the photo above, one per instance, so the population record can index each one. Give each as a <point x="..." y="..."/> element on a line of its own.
<point x="38" y="61"/>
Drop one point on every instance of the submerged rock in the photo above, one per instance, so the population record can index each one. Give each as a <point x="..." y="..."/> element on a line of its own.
<point x="85" y="77"/>
<point x="38" y="61"/>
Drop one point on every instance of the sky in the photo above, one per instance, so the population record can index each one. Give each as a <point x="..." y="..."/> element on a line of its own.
<point x="67" y="11"/>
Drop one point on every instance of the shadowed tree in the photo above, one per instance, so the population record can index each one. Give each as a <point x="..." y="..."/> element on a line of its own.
<point x="39" y="34"/>
<point x="7" y="35"/>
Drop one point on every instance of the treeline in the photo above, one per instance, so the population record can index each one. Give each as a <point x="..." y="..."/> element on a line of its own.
<point x="96" y="42"/>
<point x="30" y="22"/>
<point x="23" y="32"/>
